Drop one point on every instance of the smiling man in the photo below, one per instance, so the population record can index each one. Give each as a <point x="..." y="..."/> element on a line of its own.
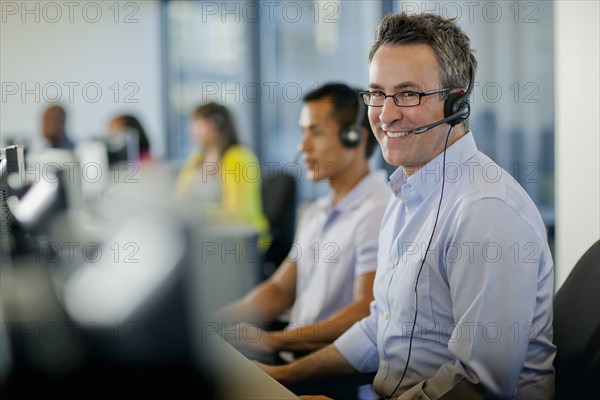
<point x="328" y="277"/>
<point x="464" y="284"/>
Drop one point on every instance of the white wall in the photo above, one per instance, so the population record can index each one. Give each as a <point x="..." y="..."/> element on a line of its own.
<point x="577" y="44"/>
<point x="55" y="49"/>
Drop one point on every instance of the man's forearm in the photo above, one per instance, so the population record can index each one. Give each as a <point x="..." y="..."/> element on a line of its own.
<point x="262" y="305"/>
<point x="324" y="363"/>
<point x="318" y="335"/>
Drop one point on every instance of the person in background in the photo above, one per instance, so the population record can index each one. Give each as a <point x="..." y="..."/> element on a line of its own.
<point x="327" y="279"/>
<point x="223" y="172"/>
<point x="53" y="128"/>
<point x="124" y="123"/>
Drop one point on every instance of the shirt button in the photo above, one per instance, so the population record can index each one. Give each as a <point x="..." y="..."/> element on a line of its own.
<point x="383" y="365"/>
<point x="391" y="265"/>
<point x="386" y="315"/>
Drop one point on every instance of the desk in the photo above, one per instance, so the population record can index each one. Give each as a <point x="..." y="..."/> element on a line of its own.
<point x="240" y="378"/>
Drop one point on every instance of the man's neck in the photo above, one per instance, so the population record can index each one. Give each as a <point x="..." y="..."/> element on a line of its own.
<point x="457" y="133"/>
<point x="343" y="184"/>
<point x="58" y="139"/>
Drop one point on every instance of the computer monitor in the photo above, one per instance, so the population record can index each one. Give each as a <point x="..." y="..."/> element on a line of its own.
<point x="122" y="147"/>
<point x="125" y="320"/>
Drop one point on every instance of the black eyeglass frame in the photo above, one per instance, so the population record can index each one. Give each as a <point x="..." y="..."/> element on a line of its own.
<point x="394" y="98"/>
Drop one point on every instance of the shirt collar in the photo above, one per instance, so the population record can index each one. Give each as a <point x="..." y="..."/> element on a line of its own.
<point x="419" y="184"/>
<point x="355" y="197"/>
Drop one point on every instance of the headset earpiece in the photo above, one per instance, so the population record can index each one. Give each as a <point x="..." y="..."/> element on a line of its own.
<point x="454" y="103"/>
<point x="350" y="136"/>
<point x="217" y="119"/>
<point x="457" y="102"/>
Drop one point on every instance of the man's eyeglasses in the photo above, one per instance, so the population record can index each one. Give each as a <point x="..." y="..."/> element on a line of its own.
<point x="402" y="99"/>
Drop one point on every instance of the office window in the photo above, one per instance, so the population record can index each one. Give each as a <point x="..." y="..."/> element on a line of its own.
<point x="261" y="58"/>
<point x="323" y="41"/>
<point x="513" y="98"/>
<point x="209" y="51"/>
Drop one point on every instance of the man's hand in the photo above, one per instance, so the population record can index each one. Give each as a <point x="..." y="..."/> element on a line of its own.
<point x="324" y="363"/>
<point x="250" y="337"/>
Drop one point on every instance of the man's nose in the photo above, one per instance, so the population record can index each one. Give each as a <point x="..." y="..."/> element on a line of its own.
<point x="390" y="112"/>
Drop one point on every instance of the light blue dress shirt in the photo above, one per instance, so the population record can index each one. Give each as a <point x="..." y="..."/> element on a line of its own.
<point x="335" y="244"/>
<point x="484" y="294"/>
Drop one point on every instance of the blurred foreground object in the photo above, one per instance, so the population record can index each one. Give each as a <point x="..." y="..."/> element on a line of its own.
<point x="110" y="296"/>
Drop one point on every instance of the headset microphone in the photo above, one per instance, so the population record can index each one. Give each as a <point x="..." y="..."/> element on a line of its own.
<point x="297" y="156"/>
<point x="453" y="119"/>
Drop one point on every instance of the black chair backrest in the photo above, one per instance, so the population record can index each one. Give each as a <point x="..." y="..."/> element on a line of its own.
<point x="279" y="206"/>
<point x="577" y="330"/>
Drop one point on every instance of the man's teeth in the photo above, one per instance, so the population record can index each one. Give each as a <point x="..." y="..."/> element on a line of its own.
<point x="398" y="134"/>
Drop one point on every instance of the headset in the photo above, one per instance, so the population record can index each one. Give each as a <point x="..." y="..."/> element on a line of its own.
<point x="217" y="118"/>
<point x="350" y="136"/>
<point x="456" y="108"/>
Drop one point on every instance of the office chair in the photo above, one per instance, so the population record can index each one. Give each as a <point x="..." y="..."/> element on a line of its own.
<point x="577" y="330"/>
<point x="279" y="205"/>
